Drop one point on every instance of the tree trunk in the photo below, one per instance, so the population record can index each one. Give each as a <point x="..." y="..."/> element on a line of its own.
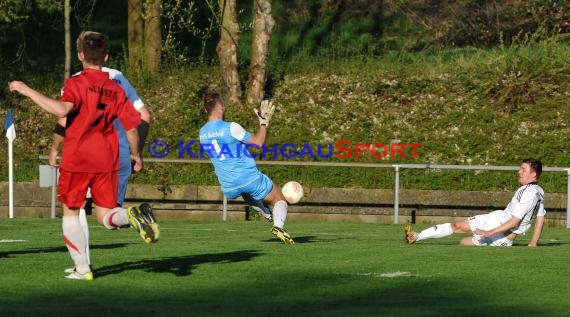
<point x="227" y="51"/>
<point x="67" y="32"/>
<point x="263" y="24"/>
<point x="135" y="34"/>
<point x="153" y="35"/>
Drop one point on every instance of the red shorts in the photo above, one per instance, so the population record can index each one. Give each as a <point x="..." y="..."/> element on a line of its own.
<point x="72" y="188"/>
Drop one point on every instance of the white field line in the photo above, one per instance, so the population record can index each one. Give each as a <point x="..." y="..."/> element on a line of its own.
<point x="385" y="275"/>
<point x="12" y="240"/>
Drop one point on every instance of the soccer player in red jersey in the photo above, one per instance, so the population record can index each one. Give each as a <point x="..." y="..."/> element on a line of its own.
<point x="91" y="101"/>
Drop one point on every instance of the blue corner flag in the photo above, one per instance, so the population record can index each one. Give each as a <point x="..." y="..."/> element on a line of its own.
<point x="9" y="126"/>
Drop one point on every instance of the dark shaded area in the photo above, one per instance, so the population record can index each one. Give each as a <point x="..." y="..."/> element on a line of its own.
<point x="292" y="281"/>
<point x="311" y="26"/>
<point x="62" y="249"/>
<point x="179" y="266"/>
<point x="33" y="41"/>
<point x="407" y="297"/>
<point x="486" y="23"/>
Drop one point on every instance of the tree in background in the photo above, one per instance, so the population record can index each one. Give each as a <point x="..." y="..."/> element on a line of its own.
<point x="227" y="49"/>
<point x="144" y="34"/>
<point x="153" y="34"/>
<point x="67" y="38"/>
<point x="135" y="34"/>
<point x="263" y="24"/>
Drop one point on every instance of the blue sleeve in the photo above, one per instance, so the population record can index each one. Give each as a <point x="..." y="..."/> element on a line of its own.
<point x="127" y="87"/>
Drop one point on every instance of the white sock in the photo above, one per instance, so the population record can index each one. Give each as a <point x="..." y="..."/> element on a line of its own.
<point x="116" y="218"/>
<point x="76" y="243"/>
<point x="85" y="228"/>
<point x="437" y="231"/>
<point x="279" y="214"/>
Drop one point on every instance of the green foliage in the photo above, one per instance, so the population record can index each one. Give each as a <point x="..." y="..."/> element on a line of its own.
<point x="11" y="12"/>
<point x="199" y="20"/>
<point x="484" y="23"/>
<point x="448" y="102"/>
<point x="327" y="29"/>
<point x="352" y="72"/>
<point x="28" y="30"/>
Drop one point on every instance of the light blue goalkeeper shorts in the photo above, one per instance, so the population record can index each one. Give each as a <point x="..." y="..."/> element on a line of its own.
<point x="258" y="189"/>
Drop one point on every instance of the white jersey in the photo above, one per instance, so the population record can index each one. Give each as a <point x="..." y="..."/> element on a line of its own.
<point x="527" y="202"/>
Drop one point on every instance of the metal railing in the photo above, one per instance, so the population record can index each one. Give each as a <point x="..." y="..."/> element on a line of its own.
<point x="396" y="167"/>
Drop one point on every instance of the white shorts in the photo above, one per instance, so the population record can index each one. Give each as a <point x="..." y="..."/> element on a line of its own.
<point x="487" y="222"/>
<point x="498" y="240"/>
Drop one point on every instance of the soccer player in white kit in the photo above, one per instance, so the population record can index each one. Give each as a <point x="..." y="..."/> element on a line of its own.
<point x="500" y="227"/>
<point x="226" y="143"/>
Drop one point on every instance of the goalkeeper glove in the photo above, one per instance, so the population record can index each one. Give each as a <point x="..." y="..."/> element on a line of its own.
<point x="265" y="112"/>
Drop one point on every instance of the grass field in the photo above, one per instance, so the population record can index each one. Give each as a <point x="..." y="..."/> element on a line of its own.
<point x="238" y="269"/>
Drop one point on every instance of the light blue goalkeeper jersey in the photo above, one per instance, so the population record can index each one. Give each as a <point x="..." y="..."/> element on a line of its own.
<point x="131" y="93"/>
<point x="225" y="143"/>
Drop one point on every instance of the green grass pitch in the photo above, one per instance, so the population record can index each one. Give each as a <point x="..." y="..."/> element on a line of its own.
<point x="239" y="269"/>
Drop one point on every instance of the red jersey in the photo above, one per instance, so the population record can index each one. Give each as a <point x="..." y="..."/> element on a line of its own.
<point x="91" y="142"/>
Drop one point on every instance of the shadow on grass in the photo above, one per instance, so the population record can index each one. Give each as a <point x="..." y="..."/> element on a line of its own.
<point x="315" y="295"/>
<point x="550" y="244"/>
<point x="517" y="243"/>
<point x="315" y="239"/>
<point x="307" y="239"/>
<point x="179" y="266"/>
<point x="7" y="254"/>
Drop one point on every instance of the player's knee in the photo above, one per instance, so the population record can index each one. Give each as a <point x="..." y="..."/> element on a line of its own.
<point x="468" y="241"/>
<point x="458" y="227"/>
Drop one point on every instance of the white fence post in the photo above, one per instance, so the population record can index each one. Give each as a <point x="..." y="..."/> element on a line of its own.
<point x="53" y="190"/>
<point x="396" y="193"/>
<point x="225" y="211"/>
<point x="568" y="200"/>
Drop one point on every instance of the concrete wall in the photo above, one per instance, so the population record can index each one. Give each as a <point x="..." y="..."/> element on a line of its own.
<point x="334" y="204"/>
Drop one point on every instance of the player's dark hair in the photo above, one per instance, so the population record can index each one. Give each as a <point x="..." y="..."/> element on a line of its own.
<point x="535" y="165"/>
<point x="211" y="99"/>
<point x="94" y="46"/>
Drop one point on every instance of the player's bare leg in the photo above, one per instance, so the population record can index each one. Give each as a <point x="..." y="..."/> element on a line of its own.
<point x="276" y="198"/>
<point x="439" y="231"/>
<point x="461" y="227"/>
<point x="468" y="241"/>
<point x="140" y="220"/>
<point x="76" y="243"/>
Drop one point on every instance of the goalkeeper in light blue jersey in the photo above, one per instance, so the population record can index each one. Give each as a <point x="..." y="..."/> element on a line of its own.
<point x="226" y="144"/>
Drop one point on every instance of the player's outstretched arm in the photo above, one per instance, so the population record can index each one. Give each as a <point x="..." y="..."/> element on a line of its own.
<point x="53" y="106"/>
<point x="133" y="138"/>
<point x="538" y="225"/>
<point x="259" y="137"/>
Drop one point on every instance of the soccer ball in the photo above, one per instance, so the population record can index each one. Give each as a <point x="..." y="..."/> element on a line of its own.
<point x="293" y="192"/>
